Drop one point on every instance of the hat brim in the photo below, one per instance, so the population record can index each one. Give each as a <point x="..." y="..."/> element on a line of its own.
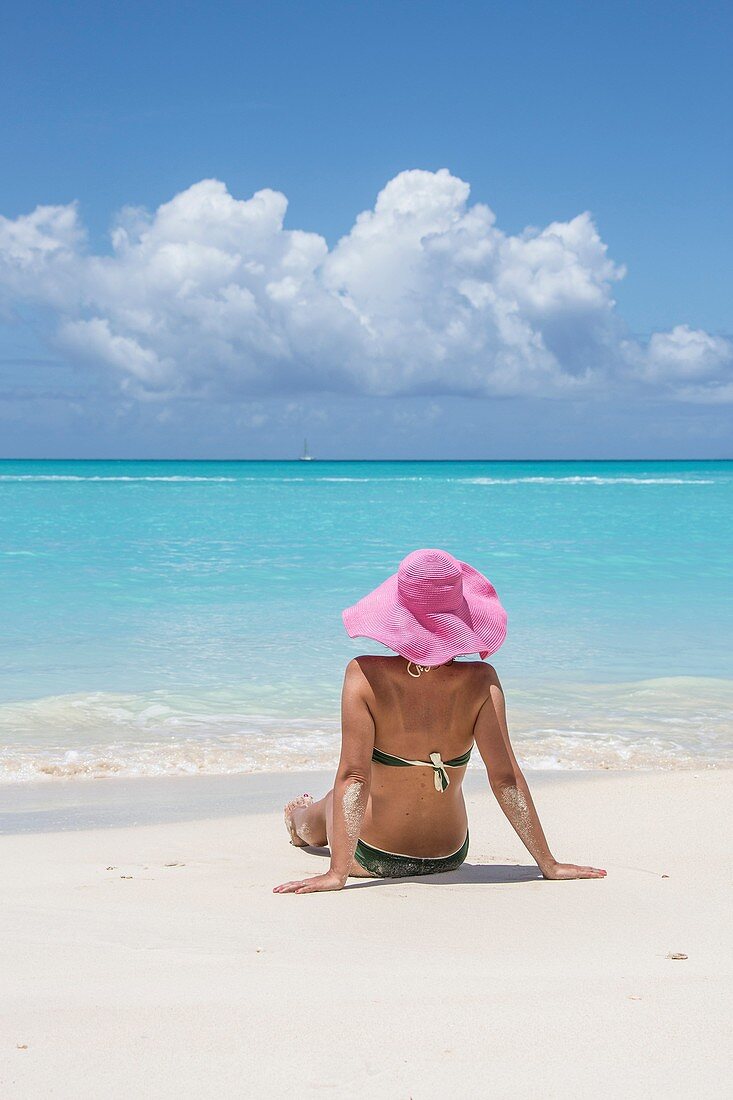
<point x="478" y="625"/>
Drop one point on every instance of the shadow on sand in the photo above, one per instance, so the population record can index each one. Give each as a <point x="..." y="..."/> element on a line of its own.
<point x="494" y="874"/>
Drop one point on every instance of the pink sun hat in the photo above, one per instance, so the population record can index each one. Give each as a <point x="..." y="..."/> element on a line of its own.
<point x="432" y="609"/>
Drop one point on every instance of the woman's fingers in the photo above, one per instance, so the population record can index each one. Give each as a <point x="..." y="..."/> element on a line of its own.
<point x="572" y="870"/>
<point x="317" y="884"/>
<point x="314" y="885"/>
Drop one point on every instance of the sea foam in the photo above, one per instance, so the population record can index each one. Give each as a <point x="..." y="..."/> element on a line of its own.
<point x="668" y="722"/>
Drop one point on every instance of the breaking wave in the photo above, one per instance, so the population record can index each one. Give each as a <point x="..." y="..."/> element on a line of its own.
<point x="671" y="722"/>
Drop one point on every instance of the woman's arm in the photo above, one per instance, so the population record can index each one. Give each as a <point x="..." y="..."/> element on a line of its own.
<point x="510" y="787"/>
<point x="354" y="774"/>
<point x="352" y="785"/>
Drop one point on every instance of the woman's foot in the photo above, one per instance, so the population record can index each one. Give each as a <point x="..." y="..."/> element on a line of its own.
<point x="294" y="814"/>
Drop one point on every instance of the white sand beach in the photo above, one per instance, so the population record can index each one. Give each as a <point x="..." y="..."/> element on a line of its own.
<point x="145" y="955"/>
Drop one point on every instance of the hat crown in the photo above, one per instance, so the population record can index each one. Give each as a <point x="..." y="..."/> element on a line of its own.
<point x="430" y="581"/>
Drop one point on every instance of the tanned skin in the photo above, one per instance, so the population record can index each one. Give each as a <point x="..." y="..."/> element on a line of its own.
<point x="447" y="709"/>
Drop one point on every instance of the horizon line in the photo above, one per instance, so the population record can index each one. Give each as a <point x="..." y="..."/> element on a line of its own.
<point x="44" y="458"/>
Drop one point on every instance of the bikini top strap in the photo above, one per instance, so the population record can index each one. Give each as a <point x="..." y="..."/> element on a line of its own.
<point x="399" y="762"/>
<point x="386" y="758"/>
<point x="440" y="775"/>
<point x="459" y="761"/>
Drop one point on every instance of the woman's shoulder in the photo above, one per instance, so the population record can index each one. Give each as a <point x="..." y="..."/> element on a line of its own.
<point x="366" y="661"/>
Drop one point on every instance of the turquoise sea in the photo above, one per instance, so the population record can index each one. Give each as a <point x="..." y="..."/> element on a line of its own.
<point x="166" y="617"/>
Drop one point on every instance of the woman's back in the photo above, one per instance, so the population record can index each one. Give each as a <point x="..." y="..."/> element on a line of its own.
<point x="414" y="717"/>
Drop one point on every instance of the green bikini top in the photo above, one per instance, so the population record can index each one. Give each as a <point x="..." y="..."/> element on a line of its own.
<point x="440" y="775"/>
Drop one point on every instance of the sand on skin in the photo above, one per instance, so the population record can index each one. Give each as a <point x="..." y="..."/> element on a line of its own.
<point x="191" y="978"/>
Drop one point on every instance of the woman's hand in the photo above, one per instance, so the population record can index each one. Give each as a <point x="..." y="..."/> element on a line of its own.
<point x="315" y="885"/>
<point x="570" y="870"/>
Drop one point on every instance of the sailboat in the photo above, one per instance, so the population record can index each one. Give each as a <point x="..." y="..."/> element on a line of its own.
<point x="305" y="457"/>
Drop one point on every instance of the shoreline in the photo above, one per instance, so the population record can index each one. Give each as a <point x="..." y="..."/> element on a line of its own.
<point x="154" y="959"/>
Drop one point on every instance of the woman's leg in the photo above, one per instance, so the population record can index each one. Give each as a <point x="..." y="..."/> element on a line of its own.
<point x="310" y="823"/>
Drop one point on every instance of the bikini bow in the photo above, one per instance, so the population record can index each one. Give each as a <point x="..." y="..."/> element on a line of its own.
<point x="440" y="774"/>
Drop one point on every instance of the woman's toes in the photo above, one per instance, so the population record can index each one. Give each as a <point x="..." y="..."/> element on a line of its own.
<point x="290" y="813"/>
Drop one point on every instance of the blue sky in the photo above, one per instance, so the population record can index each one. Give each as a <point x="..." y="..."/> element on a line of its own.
<point x="589" y="314"/>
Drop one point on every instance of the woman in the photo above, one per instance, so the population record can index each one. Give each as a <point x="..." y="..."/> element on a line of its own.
<point x="409" y="723"/>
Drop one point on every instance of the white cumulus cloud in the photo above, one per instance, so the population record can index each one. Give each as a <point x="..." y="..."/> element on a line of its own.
<point x="695" y="363"/>
<point x="211" y="296"/>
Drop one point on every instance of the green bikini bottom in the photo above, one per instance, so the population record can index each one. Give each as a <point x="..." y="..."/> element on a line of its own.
<point x="393" y="865"/>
